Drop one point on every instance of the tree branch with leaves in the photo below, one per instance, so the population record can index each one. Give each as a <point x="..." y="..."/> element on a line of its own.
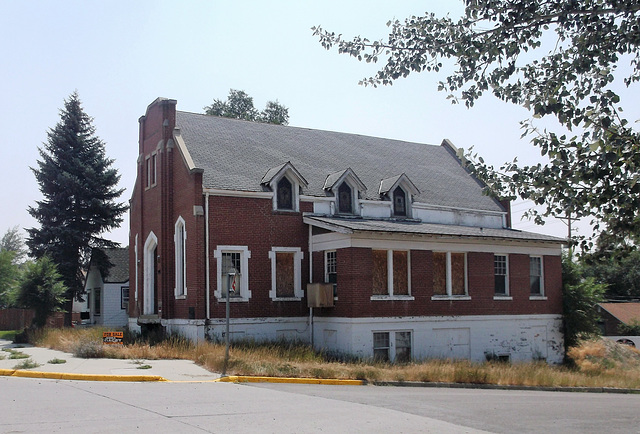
<point x="559" y="59"/>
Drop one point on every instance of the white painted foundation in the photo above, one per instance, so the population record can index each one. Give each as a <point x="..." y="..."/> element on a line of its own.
<point x="519" y="338"/>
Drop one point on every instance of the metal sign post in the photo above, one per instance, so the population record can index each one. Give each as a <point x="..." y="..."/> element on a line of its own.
<point x="231" y="288"/>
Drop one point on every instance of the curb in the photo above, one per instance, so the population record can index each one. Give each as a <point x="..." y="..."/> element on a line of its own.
<point x="506" y="387"/>
<point x="252" y="379"/>
<point x="81" y="377"/>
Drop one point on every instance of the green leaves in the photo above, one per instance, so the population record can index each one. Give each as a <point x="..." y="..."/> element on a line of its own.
<point x="239" y="105"/>
<point x="573" y="53"/>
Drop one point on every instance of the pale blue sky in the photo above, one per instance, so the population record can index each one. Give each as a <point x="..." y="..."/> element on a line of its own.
<point x="121" y="55"/>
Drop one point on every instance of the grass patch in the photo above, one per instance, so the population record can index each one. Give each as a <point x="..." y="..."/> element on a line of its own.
<point x="26" y="364"/>
<point x="15" y="354"/>
<point x="57" y="361"/>
<point x="8" y="335"/>
<point x="600" y="363"/>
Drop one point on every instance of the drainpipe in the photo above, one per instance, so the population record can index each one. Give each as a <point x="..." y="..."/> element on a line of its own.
<point x="310" y="281"/>
<point x="206" y="254"/>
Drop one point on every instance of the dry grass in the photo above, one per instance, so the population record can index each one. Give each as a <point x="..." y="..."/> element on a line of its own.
<point x="598" y="363"/>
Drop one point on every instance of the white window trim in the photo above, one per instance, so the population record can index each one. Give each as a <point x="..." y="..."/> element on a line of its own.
<point x="449" y="281"/>
<point x="392" y="342"/>
<point x="355" y="197"/>
<point x="391" y="295"/>
<point x="245" y="254"/>
<point x="326" y="272"/>
<point x="149" y="278"/>
<point x="151" y="160"/>
<point x="295" y="192"/>
<point x="542" y="295"/>
<point x="298" y="293"/>
<point x="507" y="294"/>
<point x="407" y="202"/>
<point x="180" y="223"/>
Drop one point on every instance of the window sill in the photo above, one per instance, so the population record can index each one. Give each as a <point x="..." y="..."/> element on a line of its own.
<point x="502" y="297"/>
<point x="233" y="300"/>
<point x="181" y="297"/>
<point x="286" y="299"/>
<point x="450" y="297"/>
<point x="392" y="297"/>
<point x="537" y="297"/>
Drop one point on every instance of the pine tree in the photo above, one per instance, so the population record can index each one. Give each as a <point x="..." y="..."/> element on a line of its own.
<point x="79" y="186"/>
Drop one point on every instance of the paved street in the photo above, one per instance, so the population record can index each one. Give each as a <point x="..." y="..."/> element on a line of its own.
<point x="32" y="405"/>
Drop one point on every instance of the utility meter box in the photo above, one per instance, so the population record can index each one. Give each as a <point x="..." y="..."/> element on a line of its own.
<point x="319" y="294"/>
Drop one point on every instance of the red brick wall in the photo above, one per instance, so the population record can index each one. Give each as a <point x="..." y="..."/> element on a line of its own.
<point x="252" y="222"/>
<point x="355" y="288"/>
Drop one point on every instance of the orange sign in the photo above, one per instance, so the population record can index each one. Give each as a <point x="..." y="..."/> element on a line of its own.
<point x="112" y="338"/>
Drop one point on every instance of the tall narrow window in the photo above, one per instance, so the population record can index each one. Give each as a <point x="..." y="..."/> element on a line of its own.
<point x="284" y="274"/>
<point x="380" y="273"/>
<point x="97" y="307"/>
<point x="124" y="297"/>
<point x="331" y="270"/>
<point x="381" y="346"/>
<point x="285" y="194"/>
<point x="399" y="202"/>
<point x="500" y="274"/>
<point x="439" y="273"/>
<point x="232" y="259"/>
<point x="231" y="263"/>
<point x="535" y="275"/>
<point x="180" y="238"/>
<point x="403" y="347"/>
<point x="154" y="169"/>
<point x="345" y="199"/>
<point x="400" y="272"/>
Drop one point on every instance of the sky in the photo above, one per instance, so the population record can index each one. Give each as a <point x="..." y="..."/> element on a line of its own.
<point x="122" y="55"/>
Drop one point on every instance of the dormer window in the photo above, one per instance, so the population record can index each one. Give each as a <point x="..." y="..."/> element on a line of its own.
<point x="345" y="200"/>
<point x="346" y="188"/>
<point x="399" y="202"/>
<point x="286" y="183"/>
<point x="399" y="190"/>
<point x="285" y="194"/>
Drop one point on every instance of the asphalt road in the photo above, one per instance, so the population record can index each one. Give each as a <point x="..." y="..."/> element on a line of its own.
<point x="31" y="405"/>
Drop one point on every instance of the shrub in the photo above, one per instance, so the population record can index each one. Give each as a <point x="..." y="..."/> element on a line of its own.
<point x="89" y="349"/>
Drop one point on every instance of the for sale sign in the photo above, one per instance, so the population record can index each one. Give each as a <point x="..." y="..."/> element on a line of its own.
<point x="112" y="338"/>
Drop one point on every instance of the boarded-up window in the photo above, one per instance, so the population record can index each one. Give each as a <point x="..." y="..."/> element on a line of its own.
<point x="284" y="274"/>
<point x="458" y="286"/>
<point x="400" y="273"/>
<point x="439" y="273"/>
<point x="380" y="273"/>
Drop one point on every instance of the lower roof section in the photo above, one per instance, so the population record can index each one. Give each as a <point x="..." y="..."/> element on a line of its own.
<point x="355" y="225"/>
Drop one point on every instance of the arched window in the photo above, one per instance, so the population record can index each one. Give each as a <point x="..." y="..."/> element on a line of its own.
<point x="345" y="199"/>
<point x="285" y="194"/>
<point x="399" y="202"/>
<point x="180" y="241"/>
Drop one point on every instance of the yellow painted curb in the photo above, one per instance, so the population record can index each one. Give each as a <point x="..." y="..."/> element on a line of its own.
<point x="82" y="377"/>
<point x="251" y="379"/>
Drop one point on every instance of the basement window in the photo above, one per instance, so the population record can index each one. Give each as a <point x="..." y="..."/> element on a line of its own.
<point x="392" y="346"/>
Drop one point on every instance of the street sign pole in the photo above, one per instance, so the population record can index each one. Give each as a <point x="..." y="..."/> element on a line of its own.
<point x="231" y="286"/>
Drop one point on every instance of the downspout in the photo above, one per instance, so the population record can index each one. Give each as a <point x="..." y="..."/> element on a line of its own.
<point x="310" y="281"/>
<point x="206" y="254"/>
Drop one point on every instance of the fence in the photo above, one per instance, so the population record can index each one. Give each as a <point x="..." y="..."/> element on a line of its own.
<point x="18" y="319"/>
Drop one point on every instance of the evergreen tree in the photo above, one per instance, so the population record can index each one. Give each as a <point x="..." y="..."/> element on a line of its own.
<point x="79" y="186"/>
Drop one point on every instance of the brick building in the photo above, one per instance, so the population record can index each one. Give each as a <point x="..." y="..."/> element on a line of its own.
<point x="417" y="262"/>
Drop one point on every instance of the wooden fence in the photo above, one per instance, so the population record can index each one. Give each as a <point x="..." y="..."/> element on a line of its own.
<point x="18" y="319"/>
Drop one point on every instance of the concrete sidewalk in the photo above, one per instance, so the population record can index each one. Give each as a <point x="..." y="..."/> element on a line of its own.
<point x="99" y="369"/>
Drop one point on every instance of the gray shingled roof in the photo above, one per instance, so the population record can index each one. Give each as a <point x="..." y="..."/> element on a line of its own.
<point x="119" y="257"/>
<point x="352" y="225"/>
<point x="235" y="155"/>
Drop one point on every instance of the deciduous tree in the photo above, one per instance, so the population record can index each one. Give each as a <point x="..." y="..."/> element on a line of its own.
<point x="560" y="59"/>
<point x="42" y="290"/>
<point x="239" y="105"/>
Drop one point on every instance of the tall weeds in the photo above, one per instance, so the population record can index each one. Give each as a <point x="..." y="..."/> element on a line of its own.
<point x="600" y="363"/>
